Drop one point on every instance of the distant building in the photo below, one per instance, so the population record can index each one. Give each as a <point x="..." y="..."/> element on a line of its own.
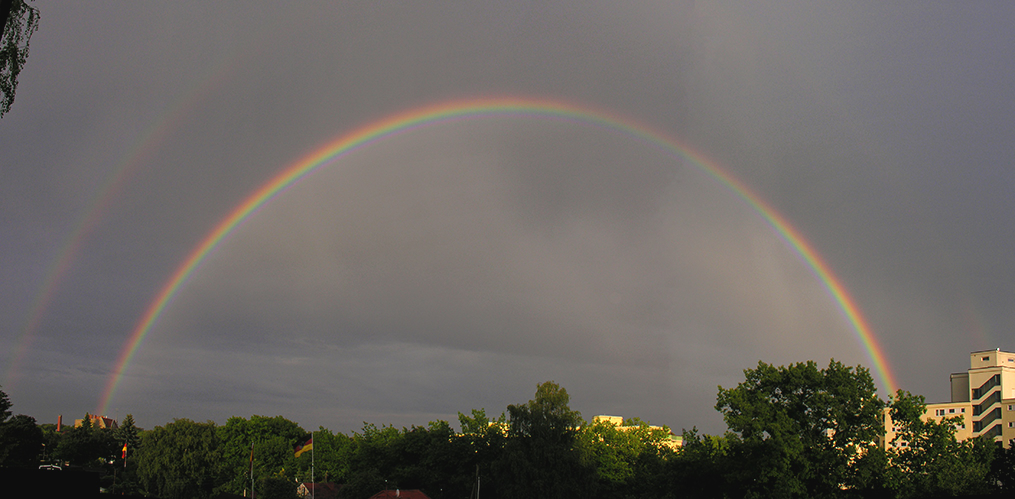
<point x="673" y="441"/>
<point x="320" y="490"/>
<point x="97" y="422"/>
<point x="984" y="396"/>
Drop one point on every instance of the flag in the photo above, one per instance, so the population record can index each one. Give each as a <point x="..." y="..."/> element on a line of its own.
<point x="124" y="451"/>
<point x="305" y="446"/>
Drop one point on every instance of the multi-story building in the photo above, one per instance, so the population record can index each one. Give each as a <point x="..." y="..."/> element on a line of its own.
<point x="983" y="396"/>
<point x="672" y="441"/>
<point x="97" y="422"/>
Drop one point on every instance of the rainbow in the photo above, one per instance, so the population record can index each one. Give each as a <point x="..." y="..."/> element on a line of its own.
<point x="459" y="110"/>
<point x="144" y="148"/>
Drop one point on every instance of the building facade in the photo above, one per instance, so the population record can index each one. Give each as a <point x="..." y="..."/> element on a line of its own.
<point x="673" y="441"/>
<point x="97" y="422"/>
<point x="983" y="396"/>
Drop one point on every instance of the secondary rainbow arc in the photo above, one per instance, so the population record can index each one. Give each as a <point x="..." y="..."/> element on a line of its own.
<point x="144" y="147"/>
<point x="443" y="112"/>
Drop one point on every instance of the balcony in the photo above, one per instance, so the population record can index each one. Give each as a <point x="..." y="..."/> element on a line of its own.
<point x="994" y="380"/>
<point x="990" y="417"/>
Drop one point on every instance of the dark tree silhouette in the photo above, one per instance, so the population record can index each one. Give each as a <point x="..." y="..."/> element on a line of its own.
<point x="18" y="21"/>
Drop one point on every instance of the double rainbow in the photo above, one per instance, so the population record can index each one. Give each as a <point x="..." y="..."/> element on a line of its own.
<point x="459" y="110"/>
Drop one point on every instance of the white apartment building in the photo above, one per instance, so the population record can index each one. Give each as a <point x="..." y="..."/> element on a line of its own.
<point x="984" y="396"/>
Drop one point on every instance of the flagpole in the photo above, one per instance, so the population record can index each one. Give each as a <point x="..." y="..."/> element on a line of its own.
<point x="251" y="470"/>
<point x="313" y="486"/>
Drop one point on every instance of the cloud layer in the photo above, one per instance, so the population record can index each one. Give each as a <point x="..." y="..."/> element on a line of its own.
<point x="457" y="266"/>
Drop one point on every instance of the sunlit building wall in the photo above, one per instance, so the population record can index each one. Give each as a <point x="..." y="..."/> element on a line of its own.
<point x="983" y="396"/>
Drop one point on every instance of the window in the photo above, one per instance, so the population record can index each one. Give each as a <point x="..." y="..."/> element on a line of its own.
<point x="951" y="411"/>
<point x="939" y="412"/>
<point x="1011" y="424"/>
<point x="986" y="358"/>
<point x="963" y="410"/>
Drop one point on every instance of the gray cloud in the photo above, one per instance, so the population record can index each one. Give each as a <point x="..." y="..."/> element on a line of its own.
<point x="458" y="266"/>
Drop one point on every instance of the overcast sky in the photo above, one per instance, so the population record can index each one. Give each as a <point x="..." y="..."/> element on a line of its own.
<point x="457" y="266"/>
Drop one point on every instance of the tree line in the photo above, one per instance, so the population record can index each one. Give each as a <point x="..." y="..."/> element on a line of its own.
<point x="793" y="431"/>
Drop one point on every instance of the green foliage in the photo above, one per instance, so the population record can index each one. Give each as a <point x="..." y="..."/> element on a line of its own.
<point x="540" y="457"/>
<point x="704" y="467"/>
<point x="331" y="455"/>
<point x="125" y="480"/>
<point x="546" y="417"/>
<point x="802" y="430"/>
<point x="1002" y="469"/>
<point x="626" y="459"/>
<point x="127" y="434"/>
<point x="50" y="440"/>
<point x="932" y="462"/>
<point x="20" y="442"/>
<point x="86" y="446"/>
<point x="477" y="424"/>
<point x="432" y="458"/>
<point x="795" y="431"/>
<point x="273" y="440"/>
<point x="20" y="438"/>
<point x="180" y="460"/>
<point x="5" y="406"/>
<point x="276" y="487"/>
<point x="21" y="22"/>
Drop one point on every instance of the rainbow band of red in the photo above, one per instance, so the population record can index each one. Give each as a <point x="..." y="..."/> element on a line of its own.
<point x="458" y="110"/>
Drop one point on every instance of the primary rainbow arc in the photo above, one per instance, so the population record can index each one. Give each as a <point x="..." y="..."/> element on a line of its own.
<point x="407" y="121"/>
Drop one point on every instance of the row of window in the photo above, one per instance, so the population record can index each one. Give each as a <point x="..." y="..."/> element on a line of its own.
<point x="987" y="357"/>
<point x="941" y="412"/>
<point x="961" y="410"/>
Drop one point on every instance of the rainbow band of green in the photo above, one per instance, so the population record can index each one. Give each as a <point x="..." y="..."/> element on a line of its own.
<point x="486" y="108"/>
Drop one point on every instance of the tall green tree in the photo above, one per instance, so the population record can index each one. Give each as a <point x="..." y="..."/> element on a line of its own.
<point x="127" y="434"/>
<point x="18" y="21"/>
<point x="128" y="440"/>
<point x="373" y="460"/>
<point x="180" y="460"/>
<point x="704" y="468"/>
<point x="5" y="406"/>
<point x="626" y="459"/>
<point x="927" y="460"/>
<point x="485" y="437"/>
<point x="1002" y="469"/>
<point x="20" y="442"/>
<point x="331" y="455"/>
<point x="86" y="445"/>
<point x="540" y="457"/>
<point x="802" y="431"/>
<point x="272" y="439"/>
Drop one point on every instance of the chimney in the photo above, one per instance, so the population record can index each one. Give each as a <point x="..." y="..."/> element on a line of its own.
<point x="59" y="423"/>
